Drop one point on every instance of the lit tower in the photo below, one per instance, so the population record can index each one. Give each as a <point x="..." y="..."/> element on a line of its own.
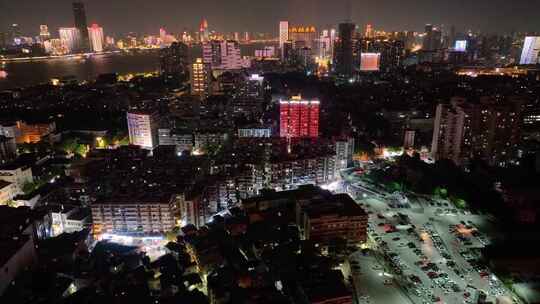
<point x="283" y="34"/>
<point x="369" y="31"/>
<point x="204" y="33"/>
<point x="70" y="38"/>
<point x="299" y="118"/>
<point x="95" y="34"/>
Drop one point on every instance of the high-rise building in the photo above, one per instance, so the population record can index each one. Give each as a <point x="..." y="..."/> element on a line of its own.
<point x="79" y="14"/>
<point x="531" y="48"/>
<point x="391" y="52"/>
<point x="408" y="138"/>
<point x="488" y="130"/>
<point x="432" y="38"/>
<point x="200" y="76"/>
<point x="174" y="60"/>
<point x="306" y="34"/>
<point x="203" y="31"/>
<point x="95" y="34"/>
<point x="223" y="55"/>
<point x="143" y="129"/>
<point x="343" y="60"/>
<point x="325" y="45"/>
<point x="14" y="33"/>
<point x="71" y="38"/>
<point x="344" y="152"/>
<point x="283" y="34"/>
<point x="299" y="118"/>
<point x="44" y="33"/>
<point x="369" y="31"/>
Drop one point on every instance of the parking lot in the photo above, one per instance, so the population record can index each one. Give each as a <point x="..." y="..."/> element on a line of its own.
<point x="429" y="253"/>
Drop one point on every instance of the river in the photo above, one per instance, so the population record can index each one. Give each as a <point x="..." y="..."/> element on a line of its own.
<point x="27" y="73"/>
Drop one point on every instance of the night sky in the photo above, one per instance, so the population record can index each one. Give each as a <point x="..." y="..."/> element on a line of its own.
<point x="146" y="16"/>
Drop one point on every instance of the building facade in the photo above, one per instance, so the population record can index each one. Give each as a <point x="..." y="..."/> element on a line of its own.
<point x="223" y="55"/>
<point x="143" y="129"/>
<point x="95" y="34"/>
<point x="299" y="118"/>
<point x="488" y="130"/>
<point x="201" y="78"/>
<point x="134" y="215"/>
<point x="71" y="38"/>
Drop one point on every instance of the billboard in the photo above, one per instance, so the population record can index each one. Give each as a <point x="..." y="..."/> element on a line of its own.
<point x="370" y="62"/>
<point x="460" y="46"/>
<point x="531" y="47"/>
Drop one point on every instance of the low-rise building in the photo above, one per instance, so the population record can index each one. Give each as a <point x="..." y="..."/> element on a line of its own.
<point x="17" y="174"/>
<point x="134" y="215"/>
<point x="7" y="192"/>
<point x="330" y="217"/>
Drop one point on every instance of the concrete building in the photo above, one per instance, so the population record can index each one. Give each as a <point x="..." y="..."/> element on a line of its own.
<point x="143" y="129"/>
<point x="19" y="175"/>
<point x="8" y="149"/>
<point x="343" y="60"/>
<point x="531" y="48"/>
<point x="95" y="34"/>
<point x="174" y="60"/>
<point x="487" y="129"/>
<point x="223" y="55"/>
<point x="203" y="140"/>
<point x="200" y="78"/>
<point x="7" y="192"/>
<point x="307" y="34"/>
<point x="182" y="141"/>
<point x="344" y="153"/>
<point x="283" y="34"/>
<point x="79" y="14"/>
<point x="20" y="230"/>
<point x="299" y="118"/>
<point x="254" y="131"/>
<point x="327" y="217"/>
<point x="408" y="139"/>
<point x="29" y="132"/>
<point x="135" y="215"/>
<point x="71" y="38"/>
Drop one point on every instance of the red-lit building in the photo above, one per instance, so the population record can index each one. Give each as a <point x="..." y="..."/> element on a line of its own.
<point x="299" y="118"/>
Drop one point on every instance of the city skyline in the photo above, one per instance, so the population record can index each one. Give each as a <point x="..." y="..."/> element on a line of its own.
<point x="240" y="15"/>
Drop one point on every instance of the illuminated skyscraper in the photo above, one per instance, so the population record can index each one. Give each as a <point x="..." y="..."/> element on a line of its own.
<point x="79" y="13"/>
<point x="344" y="50"/>
<point x="305" y="34"/>
<point x="14" y="32"/>
<point x="95" y="34"/>
<point x="200" y="78"/>
<point x="203" y="30"/>
<point x="531" y="48"/>
<point x="283" y="33"/>
<point x="143" y="129"/>
<point x="299" y="118"/>
<point x="71" y="38"/>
